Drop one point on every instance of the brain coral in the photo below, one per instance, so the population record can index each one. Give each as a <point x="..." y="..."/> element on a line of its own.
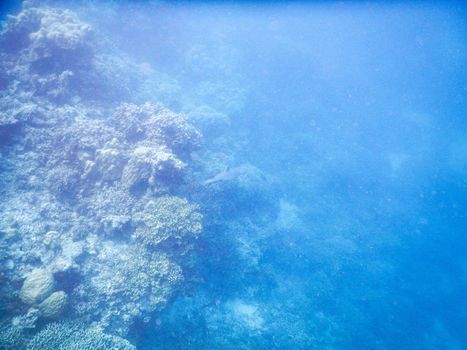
<point x="38" y="285"/>
<point x="167" y="218"/>
<point x="54" y="305"/>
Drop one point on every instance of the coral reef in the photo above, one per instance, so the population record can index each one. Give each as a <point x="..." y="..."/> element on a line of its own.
<point x="115" y="207"/>
<point x="232" y="177"/>
<point x="74" y="336"/>
<point x="124" y="283"/>
<point x="149" y="167"/>
<point x="94" y="220"/>
<point x="167" y="218"/>
<point x="38" y="285"/>
<point x="54" y="305"/>
<point x="11" y="338"/>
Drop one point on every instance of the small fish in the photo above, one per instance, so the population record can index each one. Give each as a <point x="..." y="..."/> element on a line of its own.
<point x="229" y="174"/>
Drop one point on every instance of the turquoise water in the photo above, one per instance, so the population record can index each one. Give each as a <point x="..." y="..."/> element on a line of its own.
<point x="233" y="175"/>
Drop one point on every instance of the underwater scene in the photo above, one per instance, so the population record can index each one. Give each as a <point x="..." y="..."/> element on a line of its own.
<point x="233" y="175"/>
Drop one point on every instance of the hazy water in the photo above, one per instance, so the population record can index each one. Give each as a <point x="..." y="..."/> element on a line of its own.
<point x="358" y="112"/>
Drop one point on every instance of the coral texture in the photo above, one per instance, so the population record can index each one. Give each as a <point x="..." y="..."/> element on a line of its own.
<point x="88" y="185"/>
<point x="167" y="218"/>
<point x="74" y="336"/>
<point x="38" y="285"/>
<point x="54" y="305"/>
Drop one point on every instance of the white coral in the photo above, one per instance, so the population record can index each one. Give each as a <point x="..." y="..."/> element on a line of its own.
<point x="38" y="285"/>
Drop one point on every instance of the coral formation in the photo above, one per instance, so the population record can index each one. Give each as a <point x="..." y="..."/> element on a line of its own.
<point x="125" y="283"/>
<point x="11" y="338"/>
<point x="167" y="218"/>
<point x="149" y="167"/>
<point x="54" y="305"/>
<point x="38" y="285"/>
<point x="75" y="336"/>
<point x="105" y="193"/>
<point x="183" y="180"/>
<point x="88" y="183"/>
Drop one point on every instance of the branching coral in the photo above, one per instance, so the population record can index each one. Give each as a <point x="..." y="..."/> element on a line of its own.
<point x="128" y="283"/>
<point x="11" y="338"/>
<point x="110" y="208"/>
<point x="75" y="336"/>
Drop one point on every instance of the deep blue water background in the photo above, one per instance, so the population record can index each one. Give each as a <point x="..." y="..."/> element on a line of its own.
<point x="359" y="113"/>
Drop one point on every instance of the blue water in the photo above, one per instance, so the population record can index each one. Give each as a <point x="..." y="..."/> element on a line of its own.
<point x="331" y="175"/>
